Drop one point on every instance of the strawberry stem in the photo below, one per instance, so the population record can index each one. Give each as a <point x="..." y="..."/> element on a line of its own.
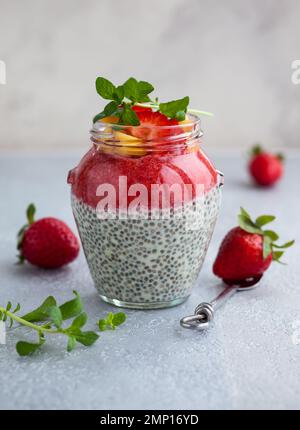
<point x="30" y="212"/>
<point x="256" y="150"/>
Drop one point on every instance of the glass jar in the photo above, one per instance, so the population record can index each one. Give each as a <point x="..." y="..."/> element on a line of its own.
<point x="145" y="207"/>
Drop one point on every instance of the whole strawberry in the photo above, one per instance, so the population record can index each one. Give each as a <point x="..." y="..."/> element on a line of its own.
<point x="247" y="251"/>
<point x="265" y="168"/>
<point x="48" y="242"/>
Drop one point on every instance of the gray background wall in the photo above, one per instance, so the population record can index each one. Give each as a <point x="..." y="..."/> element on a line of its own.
<point x="232" y="57"/>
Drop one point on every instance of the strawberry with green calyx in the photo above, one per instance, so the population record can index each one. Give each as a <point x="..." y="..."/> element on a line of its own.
<point x="47" y="243"/>
<point x="265" y="168"/>
<point x="248" y="250"/>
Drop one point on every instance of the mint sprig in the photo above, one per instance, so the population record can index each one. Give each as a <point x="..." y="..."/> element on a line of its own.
<point x="111" y="321"/>
<point x="122" y="97"/>
<point x="270" y="237"/>
<point x="48" y="319"/>
<point x="105" y="88"/>
<point x="137" y="91"/>
<point x="133" y="92"/>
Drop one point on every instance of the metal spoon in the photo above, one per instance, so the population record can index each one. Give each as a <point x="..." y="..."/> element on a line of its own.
<point x="204" y="312"/>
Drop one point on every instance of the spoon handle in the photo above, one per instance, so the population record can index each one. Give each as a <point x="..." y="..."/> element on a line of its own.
<point x="224" y="295"/>
<point x="204" y="312"/>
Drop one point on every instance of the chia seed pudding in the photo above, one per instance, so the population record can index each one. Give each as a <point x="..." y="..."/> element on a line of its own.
<point x="146" y="263"/>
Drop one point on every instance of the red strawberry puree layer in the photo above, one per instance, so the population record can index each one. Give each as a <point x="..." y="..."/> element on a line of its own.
<point x="97" y="168"/>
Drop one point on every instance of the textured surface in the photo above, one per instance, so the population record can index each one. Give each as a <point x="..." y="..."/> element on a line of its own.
<point x="233" y="58"/>
<point x="249" y="358"/>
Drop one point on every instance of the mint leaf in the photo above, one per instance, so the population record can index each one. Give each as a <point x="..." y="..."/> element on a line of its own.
<point x="128" y="116"/>
<point x="79" y="321"/>
<point x="119" y="318"/>
<point x="55" y="315"/>
<point x="105" y="88"/>
<point x="137" y="91"/>
<point x="144" y="88"/>
<point x="26" y="348"/>
<point x="71" y="308"/>
<point x="111" y="108"/>
<point x="131" y="90"/>
<point x="175" y="108"/>
<point x="40" y="313"/>
<point x="71" y="343"/>
<point x="111" y="321"/>
<point x="102" y="325"/>
<point x="119" y="94"/>
<point x="86" y="338"/>
<point x="264" y="219"/>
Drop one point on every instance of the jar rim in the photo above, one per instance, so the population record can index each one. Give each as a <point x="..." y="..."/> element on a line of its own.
<point x="109" y="133"/>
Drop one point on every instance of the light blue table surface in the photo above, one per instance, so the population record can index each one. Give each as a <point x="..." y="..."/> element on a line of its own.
<point x="249" y="358"/>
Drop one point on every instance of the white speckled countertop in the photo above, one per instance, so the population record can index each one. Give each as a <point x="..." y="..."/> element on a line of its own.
<point x="250" y="358"/>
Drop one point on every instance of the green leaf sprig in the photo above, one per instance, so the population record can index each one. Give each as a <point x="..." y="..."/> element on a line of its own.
<point x="5" y="313"/>
<point x="48" y="318"/>
<point x="133" y="92"/>
<point x="270" y="237"/>
<point x="122" y="97"/>
<point x="111" y="321"/>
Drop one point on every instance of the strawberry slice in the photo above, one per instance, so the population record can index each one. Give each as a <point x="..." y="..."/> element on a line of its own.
<point x="149" y="129"/>
<point x="137" y="108"/>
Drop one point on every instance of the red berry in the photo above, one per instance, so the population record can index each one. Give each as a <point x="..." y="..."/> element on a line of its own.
<point x="265" y="168"/>
<point x="137" y="108"/>
<point x="247" y="251"/>
<point x="148" y="130"/>
<point x="48" y="243"/>
<point x="240" y="256"/>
